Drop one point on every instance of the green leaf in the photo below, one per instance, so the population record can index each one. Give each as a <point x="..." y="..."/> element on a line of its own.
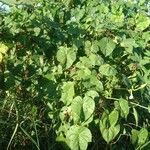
<point x="95" y="83"/>
<point x="78" y="137"/>
<point x="108" y="125"/>
<point x="67" y="92"/>
<point x="124" y="107"/>
<point x="66" y="56"/>
<point x="135" y="116"/>
<point x="107" y="135"/>
<point x="142" y="136"/>
<point x="83" y="73"/>
<point x="142" y="21"/>
<point x="95" y="46"/>
<point x="88" y="109"/>
<point x="92" y="94"/>
<point x="146" y="36"/>
<point x="71" y="57"/>
<point x="88" y="45"/>
<point x="95" y="60"/>
<point x="107" y="46"/>
<point x="37" y="31"/>
<point x="128" y="44"/>
<point x="110" y="133"/>
<point x="113" y="117"/>
<point x="134" y="136"/>
<point x="107" y="70"/>
<point x="61" y="55"/>
<point x="76" y="107"/>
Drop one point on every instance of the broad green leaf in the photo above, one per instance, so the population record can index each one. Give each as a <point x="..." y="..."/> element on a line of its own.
<point x="83" y="73"/>
<point x="94" y="82"/>
<point x="115" y="130"/>
<point x="67" y="92"/>
<point x="107" y="135"/>
<point x="71" y="57"/>
<point x="61" y="55"/>
<point x="88" y="108"/>
<point x="142" y="136"/>
<point x="128" y="44"/>
<point x="124" y="107"/>
<point x="134" y="136"/>
<point x="104" y="121"/>
<point x="94" y="47"/>
<point x="92" y="94"/>
<point x="110" y="133"/>
<point x="118" y="18"/>
<point x="103" y="124"/>
<point x="146" y="36"/>
<point x="113" y="117"/>
<point x="86" y="61"/>
<point x="108" y="127"/>
<point x="95" y="60"/>
<point x="107" y="70"/>
<point x="66" y="56"/>
<point x="107" y="46"/>
<point x="78" y="14"/>
<point x="142" y="21"/>
<point x="78" y="137"/>
<point x="84" y="138"/>
<point x="76" y="107"/>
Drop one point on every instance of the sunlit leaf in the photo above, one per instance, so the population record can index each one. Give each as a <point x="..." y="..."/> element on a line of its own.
<point x="124" y="107"/>
<point x="78" y="137"/>
<point x="88" y="108"/>
<point x="68" y="92"/>
<point x="142" y="136"/>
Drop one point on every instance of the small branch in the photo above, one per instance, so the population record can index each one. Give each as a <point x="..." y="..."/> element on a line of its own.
<point x="116" y="99"/>
<point x="15" y="130"/>
<point x="139" y="105"/>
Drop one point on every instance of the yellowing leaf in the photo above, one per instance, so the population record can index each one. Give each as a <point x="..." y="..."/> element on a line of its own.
<point x="3" y="48"/>
<point x="1" y="57"/>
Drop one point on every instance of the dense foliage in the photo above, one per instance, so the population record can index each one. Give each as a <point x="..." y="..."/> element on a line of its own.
<point x="75" y="74"/>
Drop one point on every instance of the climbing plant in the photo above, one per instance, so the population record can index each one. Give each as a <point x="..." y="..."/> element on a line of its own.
<point x="75" y="74"/>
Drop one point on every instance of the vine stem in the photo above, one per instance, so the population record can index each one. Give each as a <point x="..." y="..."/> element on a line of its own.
<point x="141" y="106"/>
<point x="16" y="128"/>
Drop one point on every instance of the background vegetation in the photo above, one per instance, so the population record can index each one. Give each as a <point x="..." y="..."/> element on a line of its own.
<point x="75" y="74"/>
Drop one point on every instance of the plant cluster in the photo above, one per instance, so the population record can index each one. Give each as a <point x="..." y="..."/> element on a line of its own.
<point x="75" y="73"/>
